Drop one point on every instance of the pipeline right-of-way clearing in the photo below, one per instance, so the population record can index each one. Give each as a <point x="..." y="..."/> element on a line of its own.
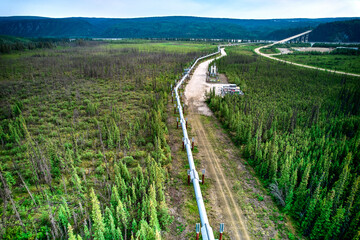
<point x="206" y="230"/>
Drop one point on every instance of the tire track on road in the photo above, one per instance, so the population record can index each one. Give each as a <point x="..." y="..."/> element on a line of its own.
<point x="236" y="225"/>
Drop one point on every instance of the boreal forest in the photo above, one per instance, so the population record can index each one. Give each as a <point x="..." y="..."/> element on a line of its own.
<point x="299" y="130"/>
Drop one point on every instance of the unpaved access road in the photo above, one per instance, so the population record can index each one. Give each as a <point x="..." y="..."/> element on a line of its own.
<point x="195" y="99"/>
<point x="197" y="87"/>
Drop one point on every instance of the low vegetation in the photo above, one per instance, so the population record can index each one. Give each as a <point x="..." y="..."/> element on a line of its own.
<point x="84" y="152"/>
<point x="346" y="60"/>
<point x="270" y="50"/>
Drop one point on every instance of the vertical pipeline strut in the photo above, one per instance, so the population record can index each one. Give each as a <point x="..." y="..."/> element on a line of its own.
<point x="206" y="230"/>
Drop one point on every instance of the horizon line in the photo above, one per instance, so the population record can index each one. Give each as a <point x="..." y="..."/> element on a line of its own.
<point x="164" y="16"/>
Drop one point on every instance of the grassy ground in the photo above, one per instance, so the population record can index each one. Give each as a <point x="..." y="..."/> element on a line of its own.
<point x="270" y="50"/>
<point x="343" y="63"/>
<point x="178" y="46"/>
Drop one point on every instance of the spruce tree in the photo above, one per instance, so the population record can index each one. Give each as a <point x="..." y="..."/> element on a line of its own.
<point x="110" y="230"/>
<point x="340" y="184"/>
<point x="114" y="196"/>
<point x="311" y="212"/>
<point x="323" y="223"/>
<point x="98" y="225"/>
<point x="71" y="233"/>
<point x="336" y="223"/>
<point x="121" y="217"/>
<point x="302" y="191"/>
<point x="86" y="232"/>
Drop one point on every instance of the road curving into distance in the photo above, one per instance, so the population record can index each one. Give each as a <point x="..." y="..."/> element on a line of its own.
<point x="257" y="50"/>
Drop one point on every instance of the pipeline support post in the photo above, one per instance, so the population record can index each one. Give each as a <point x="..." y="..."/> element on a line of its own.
<point x="188" y="173"/>
<point x="197" y="231"/>
<point x="221" y="230"/>
<point x="203" y="177"/>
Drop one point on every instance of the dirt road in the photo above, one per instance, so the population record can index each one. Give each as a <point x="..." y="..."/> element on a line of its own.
<point x="222" y="193"/>
<point x="231" y="213"/>
<point x="195" y="90"/>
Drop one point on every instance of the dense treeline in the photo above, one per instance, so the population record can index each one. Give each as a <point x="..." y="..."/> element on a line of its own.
<point x="299" y="129"/>
<point x="83" y="142"/>
<point x="20" y="46"/>
<point x="339" y="31"/>
<point x="9" y="44"/>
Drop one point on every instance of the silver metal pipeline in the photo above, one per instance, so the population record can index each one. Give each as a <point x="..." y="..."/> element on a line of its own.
<point x="206" y="230"/>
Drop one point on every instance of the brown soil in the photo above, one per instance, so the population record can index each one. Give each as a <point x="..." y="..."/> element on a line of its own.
<point x="222" y="197"/>
<point x="314" y="49"/>
<point x="223" y="78"/>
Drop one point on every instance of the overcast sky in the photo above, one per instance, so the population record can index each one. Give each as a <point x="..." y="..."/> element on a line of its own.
<point x="258" y="9"/>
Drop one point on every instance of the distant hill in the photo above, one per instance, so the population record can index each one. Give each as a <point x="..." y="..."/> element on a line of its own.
<point x="339" y="31"/>
<point x="45" y="27"/>
<point x="157" y="27"/>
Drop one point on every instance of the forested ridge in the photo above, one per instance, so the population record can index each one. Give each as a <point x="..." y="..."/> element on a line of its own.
<point x="299" y="130"/>
<point x="84" y="151"/>
<point x="338" y="31"/>
<point x="184" y="27"/>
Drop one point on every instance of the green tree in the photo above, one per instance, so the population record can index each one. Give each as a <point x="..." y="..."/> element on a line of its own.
<point x="110" y="229"/>
<point x="336" y="223"/>
<point x="121" y="216"/>
<point x="98" y="225"/>
<point x="70" y="233"/>
<point x="114" y="196"/>
<point x="76" y="181"/>
<point x="311" y="212"/>
<point x="302" y="191"/>
<point x="323" y="223"/>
